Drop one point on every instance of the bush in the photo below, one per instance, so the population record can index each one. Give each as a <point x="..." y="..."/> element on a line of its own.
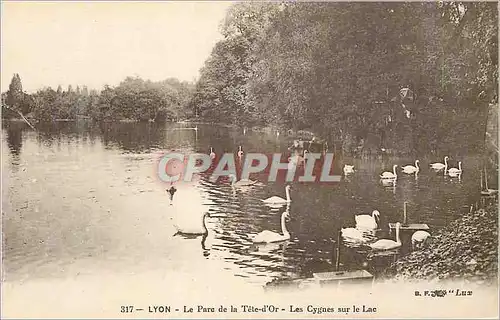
<point x="466" y="249"/>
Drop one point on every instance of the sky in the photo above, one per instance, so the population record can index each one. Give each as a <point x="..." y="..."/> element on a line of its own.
<point x="98" y="43"/>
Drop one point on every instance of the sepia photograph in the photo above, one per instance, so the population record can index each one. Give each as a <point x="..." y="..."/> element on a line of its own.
<point x="251" y="159"/>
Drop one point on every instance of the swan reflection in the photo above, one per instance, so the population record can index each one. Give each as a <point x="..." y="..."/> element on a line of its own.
<point x="390" y="185"/>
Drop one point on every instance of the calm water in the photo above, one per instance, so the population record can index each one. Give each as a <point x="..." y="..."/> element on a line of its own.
<point x="85" y="199"/>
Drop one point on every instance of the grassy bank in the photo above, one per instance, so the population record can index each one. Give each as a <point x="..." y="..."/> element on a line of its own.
<point x="466" y="249"/>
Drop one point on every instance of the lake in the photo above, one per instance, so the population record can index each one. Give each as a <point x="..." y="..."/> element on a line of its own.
<point x="84" y="199"/>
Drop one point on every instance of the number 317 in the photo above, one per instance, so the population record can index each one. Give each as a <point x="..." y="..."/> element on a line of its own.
<point x="125" y="309"/>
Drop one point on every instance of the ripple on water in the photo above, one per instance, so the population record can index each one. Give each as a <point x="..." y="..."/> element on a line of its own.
<point x="96" y="205"/>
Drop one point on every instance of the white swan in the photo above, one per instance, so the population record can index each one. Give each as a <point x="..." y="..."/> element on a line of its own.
<point x="267" y="236"/>
<point x="352" y="234"/>
<point x="240" y="152"/>
<point x="279" y="200"/>
<point x="212" y="153"/>
<point x="241" y="183"/>
<point x="453" y="172"/>
<point x="411" y="169"/>
<point x="195" y="228"/>
<point x="390" y="175"/>
<point x="367" y="221"/>
<point x="440" y="166"/>
<point x="387" y="244"/>
<point x="418" y="238"/>
<point x="348" y="169"/>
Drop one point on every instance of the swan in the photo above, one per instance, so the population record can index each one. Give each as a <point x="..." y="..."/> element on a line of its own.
<point x="453" y="172"/>
<point x="279" y="200"/>
<point x="390" y="175"/>
<point x="212" y="153"/>
<point x="418" y="238"/>
<point x="348" y="168"/>
<point x="353" y="234"/>
<point x="240" y="151"/>
<point x="267" y="236"/>
<point x="439" y="166"/>
<point x="387" y="244"/>
<point x="411" y="169"/>
<point x="367" y="221"/>
<point x="241" y="183"/>
<point x="193" y="228"/>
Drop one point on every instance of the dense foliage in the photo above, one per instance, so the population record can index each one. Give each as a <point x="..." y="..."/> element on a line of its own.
<point x="337" y="69"/>
<point x="466" y="249"/>
<point x="132" y="99"/>
<point x="334" y="68"/>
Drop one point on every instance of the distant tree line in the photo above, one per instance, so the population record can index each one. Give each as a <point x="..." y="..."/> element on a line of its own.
<point x="133" y="99"/>
<point x="338" y="69"/>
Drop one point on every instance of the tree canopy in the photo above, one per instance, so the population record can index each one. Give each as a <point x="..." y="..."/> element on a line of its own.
<point x="336" y="68"/>
<point x="133" y="99"/>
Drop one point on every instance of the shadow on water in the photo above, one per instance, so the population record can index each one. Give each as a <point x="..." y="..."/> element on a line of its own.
<point x="14" y="137"/>
<point x="96" y="205"/>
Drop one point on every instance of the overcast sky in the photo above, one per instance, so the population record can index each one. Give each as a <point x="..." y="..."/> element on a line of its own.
<point x="101" y="43"/>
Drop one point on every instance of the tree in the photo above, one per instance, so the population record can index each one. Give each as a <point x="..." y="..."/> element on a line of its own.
<point x="222" y="92"/>
<point x="334" y="67"/>
<point x="15" y="93"/>
<point x="45" y="104"/>
<point x="17" y="100"/>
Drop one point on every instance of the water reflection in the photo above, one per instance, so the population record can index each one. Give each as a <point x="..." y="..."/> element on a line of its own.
<point x="389" y="185"/>
<point x="97" y="204"/>
<point x="14" y="139"/>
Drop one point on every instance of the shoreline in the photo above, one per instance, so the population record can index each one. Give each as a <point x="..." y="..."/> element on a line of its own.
<point x="260" y="129"/>
<point x="478" y="259"/>
<point x="466" y="249"/>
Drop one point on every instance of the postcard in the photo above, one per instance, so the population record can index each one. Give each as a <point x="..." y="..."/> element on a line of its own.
<point x="275" y="160"/>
